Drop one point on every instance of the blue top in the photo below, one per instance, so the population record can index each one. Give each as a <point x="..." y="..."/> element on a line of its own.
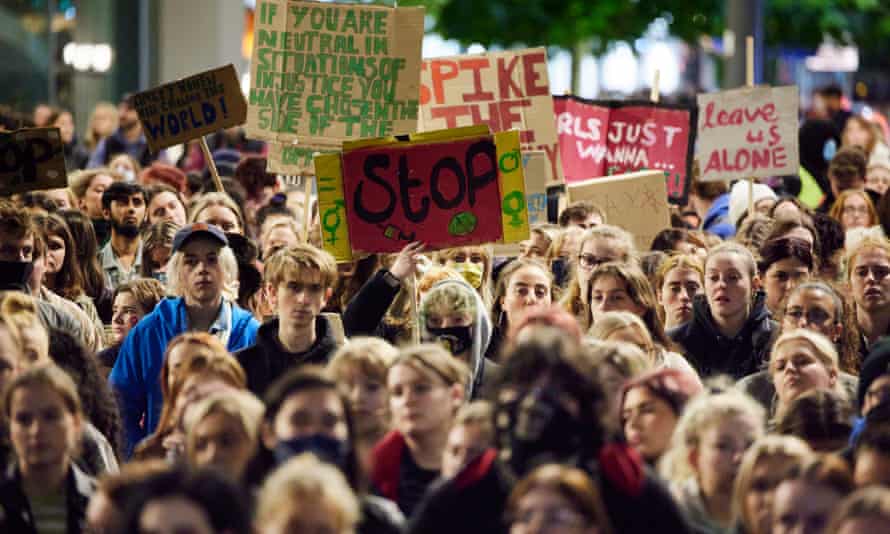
<point x="717" y="219"/>
<point x="137" y="371"/>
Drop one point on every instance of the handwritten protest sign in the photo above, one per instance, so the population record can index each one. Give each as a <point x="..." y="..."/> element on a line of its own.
<point x="537" y="170"/>
<point x="748" y="133"/>
<point x="446" y="189"/>
<point x="294" y="160"/>
<point x="634" y="201"/>
<point x="191" y="107"/>
<point x="330" y="72"/>
<point x="503" y="90"/>
<point x="602" y="138"/>
<point x="30" y="160"/>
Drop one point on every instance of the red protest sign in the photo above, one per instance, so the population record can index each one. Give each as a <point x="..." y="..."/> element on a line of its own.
<point x="748" y="133"/>
<point x="603" y="138"/>
<point x="503" y="90"/>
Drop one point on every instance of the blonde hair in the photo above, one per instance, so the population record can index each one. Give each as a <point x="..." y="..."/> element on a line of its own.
<point x="79" y="181"/>
<point x="700" y="415"/>
<point x="626" y="359"/>
<point x="101" y="107"/>
<point x="616" y="321"/>
<point x="215" y="198"/>
<point x="242" y="406"/>
<point x="434" y="362"/>
<point x="285" y="264"/>
<point x="484" y="290"/>
<point x="867" y="242"/>
<point x="227" y="262"/>
<point x="730" y="247"/>
<point x="371" y="356"/>
<point x="458" y="298"/>
<point x="792" y="449"/>
<point x="825" y="350"/>
<point x="307" y="481"/>
<point x="479" y="414"/>
<point x="18" y="312"/>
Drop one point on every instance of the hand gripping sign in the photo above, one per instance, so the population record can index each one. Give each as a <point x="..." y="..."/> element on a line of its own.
<point x="449" y="188"/>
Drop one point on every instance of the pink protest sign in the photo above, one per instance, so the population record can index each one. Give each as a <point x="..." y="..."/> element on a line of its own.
<point x="748" y="133"/>
<point x="604" y="138"/>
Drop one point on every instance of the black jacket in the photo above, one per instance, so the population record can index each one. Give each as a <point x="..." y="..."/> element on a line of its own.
<point x="15" y="509"/>
<point x="710" y="353"/>
<point x="364" y="314"/>
<point x="266" y="360"/>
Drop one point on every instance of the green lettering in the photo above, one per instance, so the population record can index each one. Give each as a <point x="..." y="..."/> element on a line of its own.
<point x="349" y="23"/>
<point x="380" y="21"/>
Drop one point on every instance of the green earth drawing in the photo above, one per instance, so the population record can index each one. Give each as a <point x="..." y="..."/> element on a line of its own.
<point x="462" y="223"/>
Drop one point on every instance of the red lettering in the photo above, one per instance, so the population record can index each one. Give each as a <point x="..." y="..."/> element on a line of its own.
<point x="738" y="116"/>
<point x="713" y="163"/>
<point x="511" y="113"/>
<point x="552" y="155"/>
<point x="780" y="158"/>
<point x="425" y="94"/>
<point x="774" y="136"/>
<point x="532" y="75"/>
<point x="441" y="70"/>
<point x="476" y="65"/>
<point x="527" y="136"/>
<point x="494" y="119"/>
<point x="760" y="158"/>
<point x="505" y="78"/>
<point x="450" y="114"/>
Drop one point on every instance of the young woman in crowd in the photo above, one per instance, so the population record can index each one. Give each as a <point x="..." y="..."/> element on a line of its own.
<point x="801" y="361"/>
<point x="600" y="244"/>
<point x="807" y="495"/>
<point x="426" y="387"/>
<point x="860" y="132"/>
<point x="157" y="247"/>
<point x="351" y="278"/>
<point x="559" y="499"/>
<point x="307" y="495"/>
<point x="125" y="165"/>
<point x="103" y="122"/>
<point x="651" y="405"/>
<point x="474" y="264"/>
<point x="762" y="468"/>
<point x="701" y="465"/>
<point x="132" y="301"/>
<point x="198" y="373"/>
<point x="800" y="228"/>
<point x="617" y="286"/>
<point x="678" y="280"/>
<point x="87" y="254"/>
<point x="222" y="431"/>
<point x="523" y="285"/>
<point x="854" y="209"/>
<point x="540" y="245"/>
<point x="677" y="241"/>
<point x="453" y="315"/>
<point x="731" y="329"/>
<point x="783" y="264"/>
<point x="625" y="327"/>
<point x="88" y="187"/>
<point x="164" y="204"/>
<point x="359" y="367"/>
<point x="868" y="272"/>
<point x="47" y="492"/>
<point x="218" y="209"/>
<point x="307" y="413"/>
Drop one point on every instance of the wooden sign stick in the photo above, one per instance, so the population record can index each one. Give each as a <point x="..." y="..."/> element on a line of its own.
<point x="415" y="335"/>
<point x="654" y="94"/>
<point x="208" y="158"/>
<point x="749" y="81"/>
<point x="307" y="206"/>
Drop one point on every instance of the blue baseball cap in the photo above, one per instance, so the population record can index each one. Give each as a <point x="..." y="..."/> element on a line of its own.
<point x="189" y="231"/>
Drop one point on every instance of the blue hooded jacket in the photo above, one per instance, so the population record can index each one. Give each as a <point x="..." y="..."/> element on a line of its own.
<point x="136" y="376"/>
<point x="717" y="219"/>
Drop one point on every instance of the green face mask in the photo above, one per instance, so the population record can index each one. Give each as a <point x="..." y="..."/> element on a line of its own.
<point x="472" y="272"/>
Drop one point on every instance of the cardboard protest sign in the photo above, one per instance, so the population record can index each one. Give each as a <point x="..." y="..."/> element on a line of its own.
<point x="294" y="159"/>
<point x="537" y="170"/>
<point x="635" y="201"/>
<point x="191" y="107"/>
<point x="30" y="160"/>
<point x="748" y="133"/>
<point x="446" y="189"/>
<point x="325" y="72"/>
<point x="503" y="90"/>
<point x="606" y="137"/>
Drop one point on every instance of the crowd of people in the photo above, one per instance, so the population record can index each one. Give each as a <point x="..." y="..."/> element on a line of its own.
<point x="178" y="359"/>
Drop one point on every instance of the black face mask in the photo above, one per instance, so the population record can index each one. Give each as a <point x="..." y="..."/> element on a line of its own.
<point x="327" y="449"/>
<point x="457" y="339"/>
<point x="14" y="275"/>
<point x="536" y="429"/>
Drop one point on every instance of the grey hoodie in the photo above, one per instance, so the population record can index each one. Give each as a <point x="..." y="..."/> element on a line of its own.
<point x="481" y="331"/>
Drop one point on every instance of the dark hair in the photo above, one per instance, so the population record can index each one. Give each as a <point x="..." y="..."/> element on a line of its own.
<point x="580" y="209"/>
<point x="121" y="192"/>
<point x="874" y="437"/>
<point x="708" y="190"/>
<point x="816" y="416"/>
<point x="668" y="239"/>
<point x="223" y="503"/>
<point x="39" y="200"/>
<point x="276" y="206"/>
<point x="308" y="378"/>
<point x="848" y="166"/>
<point x="346" y="288"/>
<point x="829" y="470"/>
<point x="832" y="91"/>
<point x="169" y="175"/>
<point x="156" y="189"/>
<point x="16" y="221"/>
<point x="68" y="282"/>
<point x="99" y="404"/>
<point x="781" y="227"/>
<point x="830" y="234"/>
<point x="776" y="250"/>
<point x="251" y="173"/>
<point x="87" y="251"/>
<point x="498" y="318"/>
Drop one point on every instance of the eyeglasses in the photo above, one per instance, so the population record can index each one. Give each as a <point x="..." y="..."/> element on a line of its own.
<point x="855" y="210"/>
<point x="589" y="261"/>
<point x="814" y="316"/>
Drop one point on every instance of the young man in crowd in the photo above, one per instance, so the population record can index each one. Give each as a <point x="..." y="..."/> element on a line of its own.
<point x="847" y="170"/>
<point x="200" y="270"/>
<point x="710" y="200"/>
<point x="583" y="214"/>
<point x="299" y="281"/>
<point x="868" y="270"/>
<point x="123" y="203"/>
<point x="128" y="138"/>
